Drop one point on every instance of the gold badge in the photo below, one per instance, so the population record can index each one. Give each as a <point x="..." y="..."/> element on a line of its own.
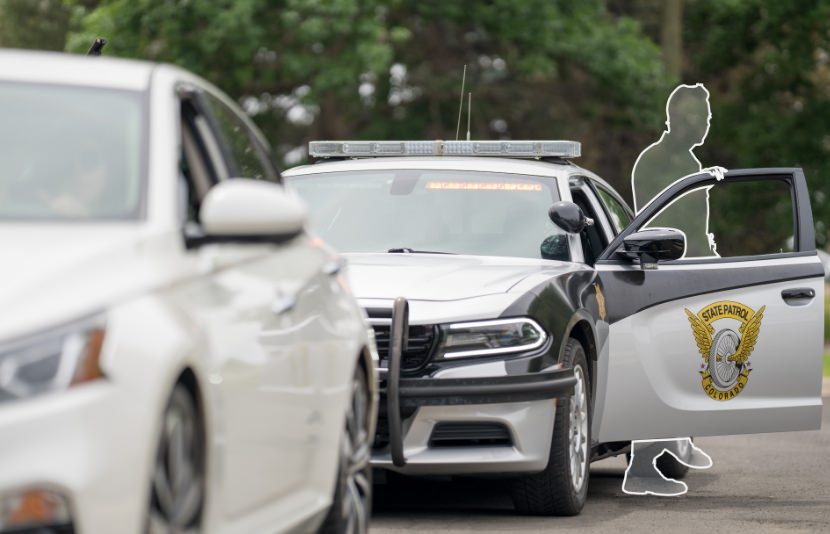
<point x="600" y="301"/>
<point x="725" y="368"/>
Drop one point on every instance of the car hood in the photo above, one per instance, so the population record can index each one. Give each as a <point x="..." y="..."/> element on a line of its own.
<point x="54" y="273"/>
<point x="443" y="277"/>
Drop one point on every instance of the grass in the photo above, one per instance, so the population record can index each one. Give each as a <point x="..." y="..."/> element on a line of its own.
<point x="827" y="364"/>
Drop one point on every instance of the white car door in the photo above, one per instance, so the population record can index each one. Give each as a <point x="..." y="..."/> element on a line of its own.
<point x="728" y="342"/>
<point x="246" y="307"/>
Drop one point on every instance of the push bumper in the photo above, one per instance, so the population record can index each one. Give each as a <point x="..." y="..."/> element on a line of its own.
<point x="521" y="402"/>
<point x="417" y="392"/>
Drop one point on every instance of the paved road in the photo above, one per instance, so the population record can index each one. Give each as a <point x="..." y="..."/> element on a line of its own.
<point x="759" y="483"/>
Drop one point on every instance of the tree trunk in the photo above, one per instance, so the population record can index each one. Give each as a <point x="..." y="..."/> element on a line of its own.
<point x="671" y="37"/>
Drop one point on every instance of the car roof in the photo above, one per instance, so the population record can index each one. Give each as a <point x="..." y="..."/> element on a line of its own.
<point x="559" y="169"/>
<point x="74" y="69"/>
<point x="460" y="163"/>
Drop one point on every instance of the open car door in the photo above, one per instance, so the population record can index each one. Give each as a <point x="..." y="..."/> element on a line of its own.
<point x="726" y="339"/>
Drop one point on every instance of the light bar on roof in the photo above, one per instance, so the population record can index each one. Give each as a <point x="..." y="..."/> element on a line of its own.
<point x="504" y="149"/>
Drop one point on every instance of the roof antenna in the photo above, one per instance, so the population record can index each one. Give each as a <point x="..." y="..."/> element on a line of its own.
<point x="469" y="112"/>
<point x="97" y="46"/>
<point x="461" y="103"/>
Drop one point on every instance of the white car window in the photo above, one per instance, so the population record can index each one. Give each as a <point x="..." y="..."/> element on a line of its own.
<point x="70" y="153"/>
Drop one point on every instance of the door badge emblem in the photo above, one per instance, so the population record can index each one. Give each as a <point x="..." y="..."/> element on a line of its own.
<point x="726" y="367"/>
<point x="600" y="302"/>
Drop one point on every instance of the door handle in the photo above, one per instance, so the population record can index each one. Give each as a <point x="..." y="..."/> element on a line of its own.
<point x="798" y="294"/>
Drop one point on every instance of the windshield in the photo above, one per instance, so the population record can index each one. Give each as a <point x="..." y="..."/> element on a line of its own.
<point x="458" y="212"/>
<point x="69" y="153"/>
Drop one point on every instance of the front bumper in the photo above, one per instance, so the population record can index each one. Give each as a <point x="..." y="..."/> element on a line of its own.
<point x="524" y="405"/>
<point x="75" y="444"/>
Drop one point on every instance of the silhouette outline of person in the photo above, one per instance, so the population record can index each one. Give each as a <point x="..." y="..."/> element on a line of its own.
<point x="643" y="476"/>
<point x="688" y="118"/>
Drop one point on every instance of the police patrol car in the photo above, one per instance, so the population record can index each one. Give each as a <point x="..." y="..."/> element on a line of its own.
<point x="528" y="323"/>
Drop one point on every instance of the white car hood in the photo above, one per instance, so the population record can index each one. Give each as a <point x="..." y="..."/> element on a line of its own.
<point x="54" y="273"/>
<point x="440" y="277"/>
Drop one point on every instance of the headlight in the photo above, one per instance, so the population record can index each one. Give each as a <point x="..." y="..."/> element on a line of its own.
<point x="487" y="338"/>
<point x="51" y="360"/>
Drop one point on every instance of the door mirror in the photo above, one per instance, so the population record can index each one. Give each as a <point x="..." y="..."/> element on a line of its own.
<point x="569" y="217"/>
<point x="243" y="209"/>
<point x="653" y="245"/>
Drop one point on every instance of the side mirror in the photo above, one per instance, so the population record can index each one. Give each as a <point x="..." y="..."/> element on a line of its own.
<point x="569" y="217"/>
<point x="653" y="245"/>
<point x="251" y="210"/>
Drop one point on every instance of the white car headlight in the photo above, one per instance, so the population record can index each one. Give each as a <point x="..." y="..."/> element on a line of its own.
<point x="492" y="337"/>
<point x="52" y="360"/>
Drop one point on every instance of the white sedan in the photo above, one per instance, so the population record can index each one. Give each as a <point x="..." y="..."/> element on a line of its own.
<point x="176" y="353"/>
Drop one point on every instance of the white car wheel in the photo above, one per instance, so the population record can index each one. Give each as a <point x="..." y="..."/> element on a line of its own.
<point x="178" y="475"/>
<point x="352" y="504"/>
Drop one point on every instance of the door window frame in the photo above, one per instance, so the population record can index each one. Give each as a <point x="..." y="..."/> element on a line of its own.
<point x="803" y="236"/>
<point x="597" y="188"/>
<point x="584" y="186"/>
<point x="192" y="123"/>
<point x="207" y="102"/>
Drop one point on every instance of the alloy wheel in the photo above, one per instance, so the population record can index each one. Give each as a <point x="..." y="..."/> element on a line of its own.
<point x="579" y="430"/>
<point x="178" y="481"/>
<point x="355" y="456"/>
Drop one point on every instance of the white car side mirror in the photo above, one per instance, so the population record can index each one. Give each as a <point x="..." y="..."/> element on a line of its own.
<point x="242" y="208"/>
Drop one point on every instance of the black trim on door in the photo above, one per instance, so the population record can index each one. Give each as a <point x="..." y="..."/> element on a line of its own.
<point x="633" y="290"/>
<point x="805" y="241"/>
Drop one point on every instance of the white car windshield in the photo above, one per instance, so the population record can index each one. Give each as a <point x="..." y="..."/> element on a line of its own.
<point x="70" y="153"/>
<point x="434" y="211"/>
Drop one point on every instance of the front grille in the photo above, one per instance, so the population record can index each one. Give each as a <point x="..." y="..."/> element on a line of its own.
<point x="418" y="349"/>
<point x="469" y="434"/>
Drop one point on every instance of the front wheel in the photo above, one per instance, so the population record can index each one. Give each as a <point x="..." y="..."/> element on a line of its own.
<point x="178" y="486"/>
<point x="561" y="489"/>
<point x="352" y="503"/>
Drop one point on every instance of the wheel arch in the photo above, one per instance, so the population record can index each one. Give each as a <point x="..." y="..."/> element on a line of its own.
<point x="187" y="378"/>
<point x="581" y="328"/>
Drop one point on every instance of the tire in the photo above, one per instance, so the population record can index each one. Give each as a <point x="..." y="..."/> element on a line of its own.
<point x="561" y="489"/>
<point x="352" y="503"/>
<point x="178" y="482"/>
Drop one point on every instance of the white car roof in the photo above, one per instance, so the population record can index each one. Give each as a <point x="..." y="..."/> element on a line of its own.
<point x="561" y="171"/>
<point x="74" y="69"/>
<point x="481" y="164"/>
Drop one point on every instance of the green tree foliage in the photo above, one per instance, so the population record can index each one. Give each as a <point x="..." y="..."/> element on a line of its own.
<point x="588" y="70"/>
<point x="380" y="69"/>
<point x="40" y="24"/>
<point x="767" y="66"/>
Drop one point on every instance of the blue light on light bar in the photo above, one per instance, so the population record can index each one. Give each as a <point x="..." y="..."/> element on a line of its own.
<point x="503" y="149"/>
